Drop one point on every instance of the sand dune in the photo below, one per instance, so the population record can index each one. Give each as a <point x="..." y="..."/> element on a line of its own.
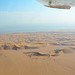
<point x="66" y="50"/>
<point x="17" y="63"/>
<point x="37" y="53"/>
<point x="14" y="47"/>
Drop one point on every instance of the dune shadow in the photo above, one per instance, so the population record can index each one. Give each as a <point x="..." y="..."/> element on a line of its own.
<point x="73" y="48"/>
<point x="27" y="47"/>
<point x="35" y="54"/>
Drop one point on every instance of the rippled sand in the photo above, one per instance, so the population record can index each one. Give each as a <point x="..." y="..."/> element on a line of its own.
<point x="37" y="53"/>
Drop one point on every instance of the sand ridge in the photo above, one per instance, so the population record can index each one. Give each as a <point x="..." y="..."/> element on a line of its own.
<point x="37" y="53"/>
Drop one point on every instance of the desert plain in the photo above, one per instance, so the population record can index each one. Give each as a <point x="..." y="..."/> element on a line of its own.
<point x="37" y="53"/>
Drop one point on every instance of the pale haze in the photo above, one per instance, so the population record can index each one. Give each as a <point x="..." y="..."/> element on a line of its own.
<point x="30" y="15"/>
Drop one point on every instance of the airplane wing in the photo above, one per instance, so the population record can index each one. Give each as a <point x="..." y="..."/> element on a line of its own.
<point x="61" y="4"/>
<point x="44" y="2"/>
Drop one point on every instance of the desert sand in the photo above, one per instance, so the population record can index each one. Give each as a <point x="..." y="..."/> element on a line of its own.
<point x="37" y="53"/>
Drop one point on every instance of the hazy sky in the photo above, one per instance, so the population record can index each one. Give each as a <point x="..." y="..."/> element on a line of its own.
<point x="30" y="12"/>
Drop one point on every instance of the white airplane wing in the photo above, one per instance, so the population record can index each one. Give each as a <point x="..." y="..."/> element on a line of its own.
<point x="61" y="4"/>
